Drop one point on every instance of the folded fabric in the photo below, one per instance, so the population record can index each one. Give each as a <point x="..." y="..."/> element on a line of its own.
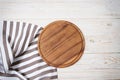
<point x="20" y="58"/>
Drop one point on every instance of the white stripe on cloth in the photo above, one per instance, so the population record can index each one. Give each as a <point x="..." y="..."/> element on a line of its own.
<point x="18" y="74"/>
<point x="22" y="39"/>
<point x="8" y="44"/>
<point x="19" y="33"/>
<point x="27" y="64"/>
<point x="1" y="62"/>
<point x="8" y="29"/>
<point x="48" y="75"/>
<point x="31" y="47"/>
<point x="28" y="40"/>
<point x="38" y="71"/>
<point x="13" y="32"/>
<point x="2" y="50"/>
<point x="36" y="39"/>
<point x="25" y="56"/>
<point x="8" y="78"/>
<point x="32" y="67"/>
<point x="10" y="51"/>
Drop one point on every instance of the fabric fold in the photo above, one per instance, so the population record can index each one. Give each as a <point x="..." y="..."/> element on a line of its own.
<point x="19" y="53"/>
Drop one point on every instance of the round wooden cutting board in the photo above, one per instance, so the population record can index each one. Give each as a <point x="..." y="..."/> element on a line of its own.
<point x="61" y="44"/>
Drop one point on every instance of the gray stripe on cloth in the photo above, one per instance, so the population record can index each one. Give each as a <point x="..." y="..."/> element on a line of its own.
<point x="27" y="35"/>
<point x="11" y="29"/>
<point x="17" y="45"/>
<point x="43" y="73"/>
<point x="5" y="43"/>
<point x="27" y="63"/>
<point x="16" y="32"/>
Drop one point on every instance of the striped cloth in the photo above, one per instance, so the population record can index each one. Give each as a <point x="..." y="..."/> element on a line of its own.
<point x="19" y="54"/>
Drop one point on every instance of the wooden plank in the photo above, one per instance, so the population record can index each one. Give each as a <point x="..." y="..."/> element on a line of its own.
<point x="101" y="35"/>
<point x="91" y="75"/>
<point x="90" y="27"/>
<point x="54" y="9"/>
<point x="93" y="67"/>
<point x="97" y="61"/>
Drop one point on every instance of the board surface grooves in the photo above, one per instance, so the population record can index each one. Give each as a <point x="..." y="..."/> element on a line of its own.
<point x="61" y="44"/>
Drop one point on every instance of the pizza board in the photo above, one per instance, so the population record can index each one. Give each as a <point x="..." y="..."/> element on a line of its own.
<point x="61" y="44"/>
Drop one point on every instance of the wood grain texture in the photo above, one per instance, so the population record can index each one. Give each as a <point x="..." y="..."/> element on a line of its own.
<point x="61" y="44"/>
<point x="100" y="66"/>
<point x="66" y="9"/>
<point x="99" y="21"/>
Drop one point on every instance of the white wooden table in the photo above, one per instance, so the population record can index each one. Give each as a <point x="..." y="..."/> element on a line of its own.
<point x="99" y="20"/>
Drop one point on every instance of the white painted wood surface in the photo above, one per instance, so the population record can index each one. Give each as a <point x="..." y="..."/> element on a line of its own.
<point x="99" y="20"/>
